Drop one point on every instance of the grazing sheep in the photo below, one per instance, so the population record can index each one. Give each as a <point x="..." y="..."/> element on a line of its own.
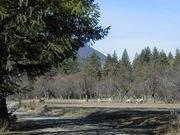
<point x="99" y="100"/>
<point x="110" y="100"/>
<point x="139" y="101"/>
<point x="128" y="101"/>
<point x="136" y="101"/>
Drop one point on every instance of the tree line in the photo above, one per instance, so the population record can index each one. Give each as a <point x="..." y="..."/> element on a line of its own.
<point x="152" y="75"/>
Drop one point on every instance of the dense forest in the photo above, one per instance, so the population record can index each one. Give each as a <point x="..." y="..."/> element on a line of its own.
<point x="152" y="75"/>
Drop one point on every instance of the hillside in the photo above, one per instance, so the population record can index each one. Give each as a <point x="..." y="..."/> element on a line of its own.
<point x="86" y="51"/>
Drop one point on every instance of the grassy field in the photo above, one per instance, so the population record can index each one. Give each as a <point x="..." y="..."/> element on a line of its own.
<point x="94" y="103"/>
<point x="79" y="117"/>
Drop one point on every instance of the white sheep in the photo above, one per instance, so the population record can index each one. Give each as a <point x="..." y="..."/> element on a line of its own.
<point x="99" y="100"/>
<point x="136" y="101"/>
<point x="110" y="100"/>
<point x="139" y="101"/>
<point x="128" y="101"/>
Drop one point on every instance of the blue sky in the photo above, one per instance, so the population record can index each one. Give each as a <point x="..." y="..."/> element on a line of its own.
<point x="136" y="24"/>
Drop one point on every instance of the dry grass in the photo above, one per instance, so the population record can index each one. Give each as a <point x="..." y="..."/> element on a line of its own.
<point x="123" y="116"/>
<point x="94" y="103"/>
<point x="114" y="104"/>
<point x="31" y="106"/>
<point x="36" y="106"/>
<point x="174" y="129"/>
<point x="124" y="121"/>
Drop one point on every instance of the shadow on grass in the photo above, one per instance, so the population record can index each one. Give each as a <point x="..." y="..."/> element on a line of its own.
<point x="103" y="121"/>
<point x="135" y="121"/>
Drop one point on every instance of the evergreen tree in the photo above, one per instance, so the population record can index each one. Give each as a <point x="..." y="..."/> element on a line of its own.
<point x="163" y="59"/>
<point x="125" y="62"/>
<point x="142" y="60"/>
<point x="123" y="78"/>
<point x="177" y="58"/>
<point x="114" y="65"/>
<point x="171" y="59"/>
<point x="155" y="56"/>
<point x="38" y="34"/>
<point x="68" y="66"/>
<point x="146" y="55"/>
<point x="111" y="65"/>
<point x="114" y="58"/>
<point x="107" y="66"/>
<point x="170" y="56"/>
<point x="92" y="66"/>
<point x="136" y="61"/>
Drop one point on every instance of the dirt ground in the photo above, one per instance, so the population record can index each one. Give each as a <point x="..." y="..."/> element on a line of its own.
<point x="76" y="117"/>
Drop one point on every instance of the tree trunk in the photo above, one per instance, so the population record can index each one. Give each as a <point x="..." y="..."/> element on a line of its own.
<point x="146" y="98"/>
<point x="87" y="98"/>
<point x="153" y="95"/>
<point x="122" y="96"/>
<point x="3" y="113"/>
<point x="119" y="96"/>
<point x="154" y="99"/>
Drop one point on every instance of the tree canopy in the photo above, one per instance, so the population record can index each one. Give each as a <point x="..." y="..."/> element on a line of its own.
<point x="37" y="34"/>
<point x="92" y="66"/>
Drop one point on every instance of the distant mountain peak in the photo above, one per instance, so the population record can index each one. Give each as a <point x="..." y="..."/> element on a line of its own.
<point x="86" y="51"/>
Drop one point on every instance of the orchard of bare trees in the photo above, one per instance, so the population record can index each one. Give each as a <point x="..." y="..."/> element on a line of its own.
<point x="152" y="75"/>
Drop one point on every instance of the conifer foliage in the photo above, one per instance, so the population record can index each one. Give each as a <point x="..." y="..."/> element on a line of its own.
<point x="37" y="34"/>
<point x="92" y="66"/>
<point x="152" y="75"/>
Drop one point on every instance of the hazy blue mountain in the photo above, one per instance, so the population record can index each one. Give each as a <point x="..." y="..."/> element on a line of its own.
<point x="86" y="51"/>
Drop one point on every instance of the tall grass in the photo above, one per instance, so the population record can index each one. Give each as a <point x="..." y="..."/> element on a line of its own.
<point x="32" y="106"/>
